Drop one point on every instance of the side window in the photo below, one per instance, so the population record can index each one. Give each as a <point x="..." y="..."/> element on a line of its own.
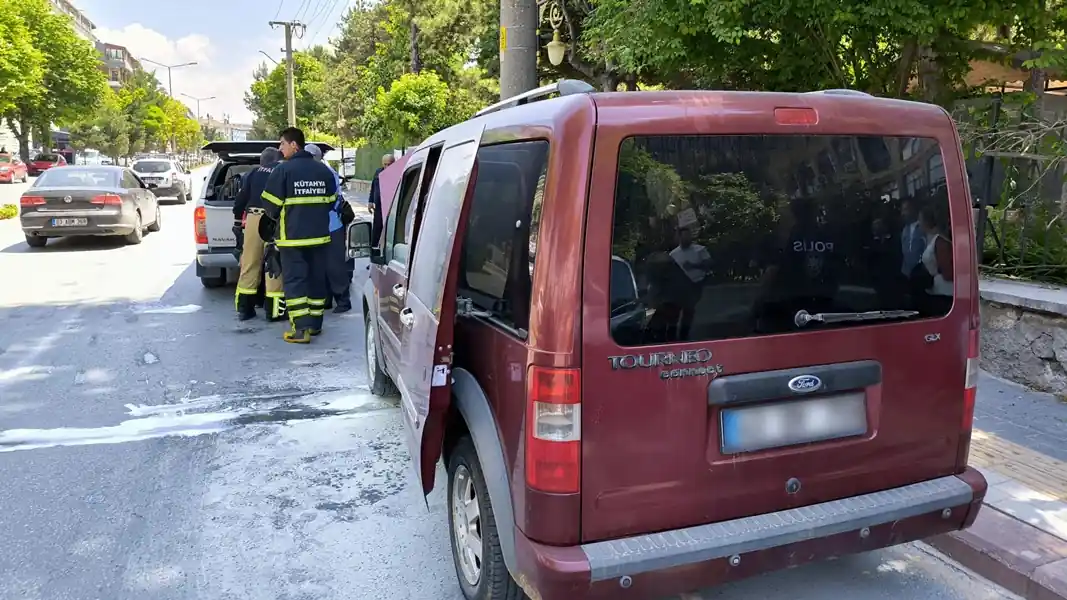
<point x="130" y="181"/>
<point x="397" y="244"/>
<point x="501" y="239"/>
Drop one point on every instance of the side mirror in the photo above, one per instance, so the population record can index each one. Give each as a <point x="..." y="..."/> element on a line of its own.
<point x="358" y="241"/>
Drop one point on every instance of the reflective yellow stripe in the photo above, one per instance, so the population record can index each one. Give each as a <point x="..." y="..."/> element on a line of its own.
<point x="304" y="242"/>
<point x="310" y="200"/>
<point x="316" y="302"/>
<point x="269" y="197"/>
<point x="277" y="305"/>
<point x="281" y="226"/>
<point x="300" y="312"/>
<point x="242" y="290"/>
<point x="300" y="300"/>
<point x="315" y="312"/>
<point x="275" y="294"/>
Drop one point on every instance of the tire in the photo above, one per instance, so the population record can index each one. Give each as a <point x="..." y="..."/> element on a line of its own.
<point x="213" y="282"/>
<point x="34" y="241"/>
<point x="380" y="384"/>
<point x="134" y="237"/>
<point x="158" y="223"/>
<point x="466" y="484"/>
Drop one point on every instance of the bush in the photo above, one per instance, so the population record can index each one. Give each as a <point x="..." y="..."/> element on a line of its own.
<point x="9" y="211"/>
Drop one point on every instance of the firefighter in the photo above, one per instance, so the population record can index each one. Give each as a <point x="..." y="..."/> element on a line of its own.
<point x="248" y="210"/>
<point x="300" y="195"/>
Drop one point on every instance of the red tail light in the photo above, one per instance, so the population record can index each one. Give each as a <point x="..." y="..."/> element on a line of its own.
<point x="796" y="116"/>
<point x="31" y="201"/>
<point x="970" y="385"/>
<point x="554" y="430"/>
<point x="200" y="225"/>
<point x="107" y="200"/>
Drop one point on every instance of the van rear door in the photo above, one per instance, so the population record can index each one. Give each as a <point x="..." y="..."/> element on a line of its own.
<point x="781" y="311"/>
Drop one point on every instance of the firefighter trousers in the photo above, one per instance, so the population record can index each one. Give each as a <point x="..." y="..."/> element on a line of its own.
<point x="304" y="280"/>
<point x="252" y="271"/>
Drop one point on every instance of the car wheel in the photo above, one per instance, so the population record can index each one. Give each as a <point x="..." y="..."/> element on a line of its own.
<point x="135" y="236"/>
<point x="476" y="550"/>
<point x="158" y="223"/>
<point x="213" y="282"/>
<point x="36" y="241"/>
<point x="380" y="384"/>
<point x="183" y="196"/>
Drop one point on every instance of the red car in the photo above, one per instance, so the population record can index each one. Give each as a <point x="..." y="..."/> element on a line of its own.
<point x="43" y="162"/>
<point x="656" y="341"/>
<point x="12" y="169"/>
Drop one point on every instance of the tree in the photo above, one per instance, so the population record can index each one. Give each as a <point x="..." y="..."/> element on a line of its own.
<point x="414" y="107"/>
<point x="108" y="130"/>
<point x="267" y="97"/>
<point x="72" y="80"/>
<point x="141" y="98"/>
<point x="21" y="63"/>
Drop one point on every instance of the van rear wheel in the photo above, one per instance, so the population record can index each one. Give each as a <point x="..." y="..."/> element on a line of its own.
<point x="476" y="552"/>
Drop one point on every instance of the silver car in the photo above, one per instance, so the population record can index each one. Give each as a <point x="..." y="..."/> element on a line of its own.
<point x="171" y="179"/>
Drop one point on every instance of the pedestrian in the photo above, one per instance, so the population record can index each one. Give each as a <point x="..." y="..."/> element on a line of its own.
<point x="300" y="194"/>
<point x="339" y="268"/>
<point x="248" y="210"/>
<point x="375" y="199"/>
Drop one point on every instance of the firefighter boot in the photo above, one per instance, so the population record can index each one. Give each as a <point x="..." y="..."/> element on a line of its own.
<point x="297" y="336"/>
<point x="246" y="307"/>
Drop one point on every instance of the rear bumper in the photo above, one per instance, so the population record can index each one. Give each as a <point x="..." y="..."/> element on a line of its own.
<point x="99" y="223"/>
<point x="217" y="258"/>
<point x="167" y="192"/>
<point x="7" y="177"/>
<point x="673" y="562"/>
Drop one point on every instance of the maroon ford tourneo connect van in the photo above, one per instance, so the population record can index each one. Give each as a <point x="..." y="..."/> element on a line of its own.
<point x="663" y="340"/>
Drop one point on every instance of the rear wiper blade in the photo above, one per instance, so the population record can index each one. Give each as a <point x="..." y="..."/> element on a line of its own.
<point x="803" y="317"/>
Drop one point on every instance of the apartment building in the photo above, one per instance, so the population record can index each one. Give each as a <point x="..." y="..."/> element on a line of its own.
<point x="82" y="25"/>
<point x="236" y="132"/>
<point x="117" y="62"/>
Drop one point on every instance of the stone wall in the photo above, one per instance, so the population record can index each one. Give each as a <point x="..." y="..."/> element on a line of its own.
<point x="1025" y="345"/>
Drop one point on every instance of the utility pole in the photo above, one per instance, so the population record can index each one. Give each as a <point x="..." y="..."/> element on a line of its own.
<point x="198" y="101"/>
<point x="518" y="47"/>
<point x="290" y="89"/>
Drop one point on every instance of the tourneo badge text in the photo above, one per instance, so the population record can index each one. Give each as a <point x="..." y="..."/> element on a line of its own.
<point x="687" y="363"/>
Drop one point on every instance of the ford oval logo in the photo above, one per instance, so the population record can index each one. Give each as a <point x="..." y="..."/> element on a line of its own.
<point x="804" y="384"/>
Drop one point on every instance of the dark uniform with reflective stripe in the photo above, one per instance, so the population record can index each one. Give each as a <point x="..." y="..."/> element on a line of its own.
<point x="250" y="201"/>
<point x="300" y="194"/>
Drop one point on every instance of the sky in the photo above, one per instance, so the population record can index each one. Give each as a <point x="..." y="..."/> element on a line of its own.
<point x="224" y="38"/>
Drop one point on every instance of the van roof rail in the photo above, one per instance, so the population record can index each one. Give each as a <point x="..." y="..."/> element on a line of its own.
<point x="842" y="92"/>
<point x="563" y="87"/>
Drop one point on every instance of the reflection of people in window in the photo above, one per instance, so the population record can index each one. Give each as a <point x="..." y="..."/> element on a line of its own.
<point x="937" y="260"/>
<point x="695" y="261"/>
<point x="912" y="237"/>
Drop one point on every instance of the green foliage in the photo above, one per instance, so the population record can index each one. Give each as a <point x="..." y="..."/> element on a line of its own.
<point x="8" y="211"/>
<point x="107" y="131"/>
<point x="414" y="107"/>
<point x="21" y="62"/>
<point x="71" y="81"/>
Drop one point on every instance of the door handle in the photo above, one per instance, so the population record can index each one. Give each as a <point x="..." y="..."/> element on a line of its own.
<point x="399" y="291"/>
<point x="407" y="318"/>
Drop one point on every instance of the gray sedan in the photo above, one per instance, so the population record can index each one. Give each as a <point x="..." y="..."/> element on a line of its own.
<point x="88" y="200"/>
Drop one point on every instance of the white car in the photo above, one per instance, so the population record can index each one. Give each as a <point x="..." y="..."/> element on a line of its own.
<point x="216" y="244"/>
<point x="172" y="180"/>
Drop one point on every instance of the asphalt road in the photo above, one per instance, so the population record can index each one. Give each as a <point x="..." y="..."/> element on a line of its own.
<point x="152" y="447"/>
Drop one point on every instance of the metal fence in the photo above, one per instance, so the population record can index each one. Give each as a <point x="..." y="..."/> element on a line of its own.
<point x="1016" y="165"/>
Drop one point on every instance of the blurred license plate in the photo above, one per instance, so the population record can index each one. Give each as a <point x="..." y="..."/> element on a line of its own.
<point x="69" y="222"/>
<point x="747" y="429"/>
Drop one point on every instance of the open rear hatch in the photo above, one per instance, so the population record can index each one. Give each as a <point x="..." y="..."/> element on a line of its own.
<point x="769" y="340"/>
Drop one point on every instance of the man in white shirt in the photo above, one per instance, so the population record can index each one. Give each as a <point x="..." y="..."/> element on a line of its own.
<point x="695" y="261"/>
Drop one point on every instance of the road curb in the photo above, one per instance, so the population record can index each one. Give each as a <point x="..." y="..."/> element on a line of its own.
<point x="1010" y="553"/>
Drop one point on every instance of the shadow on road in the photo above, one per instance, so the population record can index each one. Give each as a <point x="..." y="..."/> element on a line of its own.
<point x="70" y="244"/>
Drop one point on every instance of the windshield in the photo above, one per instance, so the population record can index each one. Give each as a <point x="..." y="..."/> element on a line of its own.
<point x="71" y="176"/>
<point x="46" y="158"/>
<point x="152" y="166"/>
<point x="733" y="236"/>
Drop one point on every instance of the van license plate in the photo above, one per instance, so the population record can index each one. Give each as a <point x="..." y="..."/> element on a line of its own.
<point x="69" y="222"/>
<point x="751" y="428"/>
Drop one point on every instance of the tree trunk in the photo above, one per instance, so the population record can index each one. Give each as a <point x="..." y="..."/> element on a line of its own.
<point x="416" y="60"/>
<point x="609" y="82"/>
<point x="22" y="134"/>
<point x="1035" y="84"/>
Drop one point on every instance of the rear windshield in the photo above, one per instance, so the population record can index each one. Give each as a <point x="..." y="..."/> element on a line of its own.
<point x="719" y="237"/>
<point x="75" y="177"/>
<point x="46" y="158"/>
<point x="151" y="166"/>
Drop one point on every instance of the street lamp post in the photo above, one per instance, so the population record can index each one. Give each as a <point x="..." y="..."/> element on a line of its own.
<point x="198" y="101"/>
<point x="170" y="80"/>
<point x="269" y="56"/>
